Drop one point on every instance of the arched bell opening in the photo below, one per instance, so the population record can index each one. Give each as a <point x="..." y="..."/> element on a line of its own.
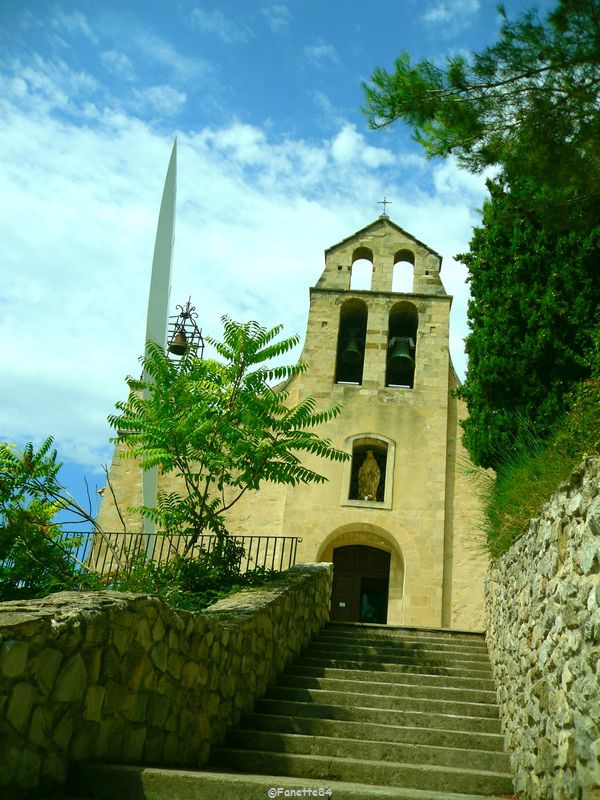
<point x="402" y="338"/>
<point x="403" y="274"/>
<point x="352" y="333"/>
<point x="361" y="274"/>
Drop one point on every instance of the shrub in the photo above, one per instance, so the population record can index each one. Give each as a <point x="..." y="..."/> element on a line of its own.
<point x="531" y="471"/>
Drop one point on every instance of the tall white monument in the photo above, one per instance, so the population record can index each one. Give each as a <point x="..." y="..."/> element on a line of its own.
<point x="158" y="307"/>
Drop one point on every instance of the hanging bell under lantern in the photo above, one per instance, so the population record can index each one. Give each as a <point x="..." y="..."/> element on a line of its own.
<point x="179" y="344"/>
<point x="400" y="359"/>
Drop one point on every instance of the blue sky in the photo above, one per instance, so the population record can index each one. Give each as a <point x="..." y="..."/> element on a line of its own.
<point x="275" y="164"/>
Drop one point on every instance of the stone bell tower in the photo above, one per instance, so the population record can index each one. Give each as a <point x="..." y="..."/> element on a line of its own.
<point x="406" y="546"/>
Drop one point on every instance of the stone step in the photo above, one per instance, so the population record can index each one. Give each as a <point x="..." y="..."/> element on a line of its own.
<point x="120" y="782"/>
<point x="398" y="631"/>
<point x="381" y="732"/>
<point x="410" y="642"/>
<point x="388" y="689"/>
<point x="326" y="660"/>
<point x="383" y="716"/>
<point x="381" y="676"/>
<point x="392" y="655"/>
<point x="369" y="749"/>
<point x="358" y="770"/>
<point x="386" y="702"/>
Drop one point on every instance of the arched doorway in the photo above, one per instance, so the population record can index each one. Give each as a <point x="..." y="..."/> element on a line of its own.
<point x="361" y="577"/>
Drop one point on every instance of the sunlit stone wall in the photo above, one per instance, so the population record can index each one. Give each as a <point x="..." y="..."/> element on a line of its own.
<point x="543" y="622"/>
<point x="125" y="678"/>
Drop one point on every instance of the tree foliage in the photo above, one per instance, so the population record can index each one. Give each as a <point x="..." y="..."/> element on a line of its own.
<point x="528" y="103"/>
<point x="220" y="428"/>
<point x="533" y="318"/>
<point x="35" y="558"/>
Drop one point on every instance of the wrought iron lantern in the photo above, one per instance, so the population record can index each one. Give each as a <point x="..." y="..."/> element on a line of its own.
<point x="184" y="334"/>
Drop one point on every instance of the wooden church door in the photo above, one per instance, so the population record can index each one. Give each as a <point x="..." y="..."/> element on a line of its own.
<point x="361" y="577"/>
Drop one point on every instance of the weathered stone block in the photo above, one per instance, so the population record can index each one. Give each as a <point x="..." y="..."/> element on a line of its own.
<point x="20" y="705"/>
<point x="158" y="630"/>
<point x="28" y="768"/>
<point x="45" y="667"/>
<point x="64" y="729"/>
<point x="83" y="744"/>
<point x="593" y="517"/>
<point x="143" y="635"/>
<point x="135" y="745"/>
<point x="589" y="555"/>
<point x="159" y="655"/>
<point x="13" y="658"/>
<point x="42" y="725"/>
<point x="158" y="710"/>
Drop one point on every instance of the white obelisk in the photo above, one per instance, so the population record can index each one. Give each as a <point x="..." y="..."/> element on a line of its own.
<point x="158" y="311"/>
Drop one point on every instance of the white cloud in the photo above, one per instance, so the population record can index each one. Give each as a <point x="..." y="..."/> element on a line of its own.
<point x="48" y="84"/>
<point x="349" y="146"/>
<point x="245" y="143"/>
<point x="163" y="101"/>
<point x="321" y="54"/>
<point x="450" y="179"/>
<point x="118" y="64"/>
<point x="278" y="16"/>
<point x="217" y="23"/>
<point x="451" y="16"/>
<point x="182" y="67"/>
<point x="74" y="24"/>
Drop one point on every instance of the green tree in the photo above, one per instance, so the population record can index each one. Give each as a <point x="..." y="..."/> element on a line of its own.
<point x="220" y="427"/>
<point x="528" y="103"/>
<point x="35" y="557"/>
<point x="533" y="321"/>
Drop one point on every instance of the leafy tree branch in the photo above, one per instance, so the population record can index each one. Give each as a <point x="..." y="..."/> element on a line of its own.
<point x="220" y="427"/>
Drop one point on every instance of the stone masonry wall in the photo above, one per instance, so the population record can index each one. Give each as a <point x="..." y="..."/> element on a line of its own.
<point x="125" y="678"/>
<point x="543" y="620"/>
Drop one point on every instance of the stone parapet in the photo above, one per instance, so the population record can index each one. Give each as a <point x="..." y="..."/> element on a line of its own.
<point x="125" y="678"/>
<point x="543" y="622"/>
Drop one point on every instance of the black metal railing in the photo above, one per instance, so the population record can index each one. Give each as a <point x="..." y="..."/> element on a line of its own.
<point x="114" y="551"/>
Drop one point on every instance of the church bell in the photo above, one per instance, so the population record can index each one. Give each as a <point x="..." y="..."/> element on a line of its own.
<point x="351" y="353"/>
<point x="400" y="359"/>
<point x="178" y="344"/>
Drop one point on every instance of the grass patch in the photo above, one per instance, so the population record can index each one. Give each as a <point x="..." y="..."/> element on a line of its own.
<point x="531" y="472"/>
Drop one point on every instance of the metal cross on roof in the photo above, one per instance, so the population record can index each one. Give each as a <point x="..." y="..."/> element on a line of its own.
<point x="385" y="202"/>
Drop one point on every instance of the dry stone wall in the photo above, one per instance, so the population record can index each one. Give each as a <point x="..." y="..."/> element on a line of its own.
<point x="543" y="620"/>
<point x="126" y="678"/>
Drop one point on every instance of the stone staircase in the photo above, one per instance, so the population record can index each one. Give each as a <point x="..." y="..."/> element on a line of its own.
<point x="367" y="711"/>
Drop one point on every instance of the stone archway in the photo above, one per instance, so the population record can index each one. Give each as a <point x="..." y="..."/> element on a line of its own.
<point x="372" y="538"/>
<point x="361" y="579"/>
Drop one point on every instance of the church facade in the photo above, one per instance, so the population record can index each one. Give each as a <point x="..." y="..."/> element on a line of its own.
<point x="401" y="519"/>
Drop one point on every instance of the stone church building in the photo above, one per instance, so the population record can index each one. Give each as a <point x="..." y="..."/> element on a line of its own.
<point x="400" y="521"/>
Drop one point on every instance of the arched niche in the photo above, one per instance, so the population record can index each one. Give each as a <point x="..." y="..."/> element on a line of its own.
<point x="352" y="332"/>
<point x="403" y="274"/>
<point x="384" y="454"/>
<point x="403" y="323"/>
<point x="361" y="274"/>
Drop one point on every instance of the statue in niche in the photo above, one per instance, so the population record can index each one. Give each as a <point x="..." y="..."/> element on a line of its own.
<point x="369" y="476"/>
